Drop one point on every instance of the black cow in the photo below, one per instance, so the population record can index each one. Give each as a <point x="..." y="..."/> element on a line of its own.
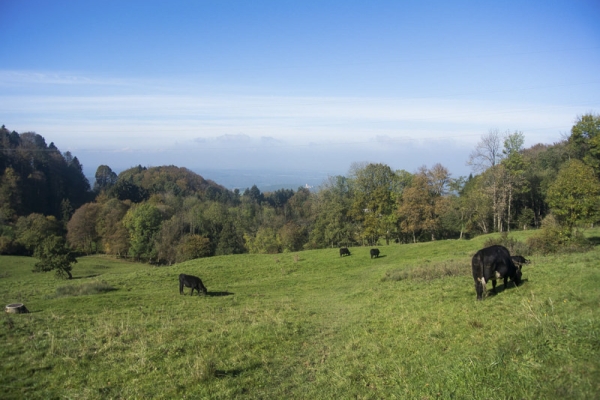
<point x="493" y="263"/>
<point x="519" y="261"/>
<point x="374" y="253"/>
<point x="344" y="252"/>
<point x="192" y="282"/>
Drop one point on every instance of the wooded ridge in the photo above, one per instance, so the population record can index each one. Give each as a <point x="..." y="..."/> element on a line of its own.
<point x="170" y="214"/>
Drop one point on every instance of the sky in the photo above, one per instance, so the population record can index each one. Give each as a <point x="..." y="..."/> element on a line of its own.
<point x="282" y="85"/>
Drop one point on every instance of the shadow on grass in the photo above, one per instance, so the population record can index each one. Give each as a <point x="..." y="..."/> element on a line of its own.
<point x="85" y="276"/>
<point x="500" y="288"/>
<point x="594" y="240"/>
<point x="379" y="256"/>
<point x="219" y="294"/>
<point x="233" y="373"/>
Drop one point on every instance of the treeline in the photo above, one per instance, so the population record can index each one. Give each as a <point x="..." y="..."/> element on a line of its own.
<point x="168" y="214"/>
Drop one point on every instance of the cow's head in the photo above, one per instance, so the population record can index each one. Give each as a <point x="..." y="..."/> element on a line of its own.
<point x="517" y="277"/>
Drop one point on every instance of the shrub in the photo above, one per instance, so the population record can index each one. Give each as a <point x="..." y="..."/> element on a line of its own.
<point x="554" y="238"/>
<point x="514" y="246"/>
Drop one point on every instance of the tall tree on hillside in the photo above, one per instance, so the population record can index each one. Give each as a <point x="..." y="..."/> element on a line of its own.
<point x="438" y="180"/>
<point x="487" y="153"/>
<point x="515" y="165"/>
<point x="542" y="165"/>
<point x="585" y="140"/>
<point x="575" y="194"/>
<point x="373" y="203"/>
<point x="78" y="187"/>
<point x="81" y="229"/>
<point x="475" y="206"/>
<point x="34" y="228"/>
<point x="10" y="196"/>
<point x="230" y="240"/>
<point x="415" y="209"/>
<point x="486" y="158"/>
<point x="333" y="225"/>
<point x="109" y="225"/>
<point x="105" y="178"/>
<point x="143" y="223"/>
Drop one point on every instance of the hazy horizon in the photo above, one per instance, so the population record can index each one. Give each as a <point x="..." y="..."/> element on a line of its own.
<point x="302" y="86"/>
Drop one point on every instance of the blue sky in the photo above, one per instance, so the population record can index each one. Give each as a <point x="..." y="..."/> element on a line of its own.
<point x="297" y="85"/>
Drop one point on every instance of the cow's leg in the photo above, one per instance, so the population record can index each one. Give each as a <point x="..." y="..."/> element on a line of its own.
<point x="494" y="285"/>
<point x="180" y="288"/>
<point x="480" y="287"/>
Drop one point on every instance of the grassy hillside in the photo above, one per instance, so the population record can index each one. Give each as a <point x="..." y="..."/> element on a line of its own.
<point x="304" y="325"/>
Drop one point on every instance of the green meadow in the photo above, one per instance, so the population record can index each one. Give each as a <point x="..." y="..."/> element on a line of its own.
<point x="306" y="325"/>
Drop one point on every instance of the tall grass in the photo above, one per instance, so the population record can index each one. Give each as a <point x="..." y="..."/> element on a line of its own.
<point x="83" y="289"/>
<point x="307" y="325"/>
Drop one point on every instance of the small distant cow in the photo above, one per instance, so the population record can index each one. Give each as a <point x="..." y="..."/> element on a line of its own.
<point x="374" y="253"/>
<point x="344" y="252"/>
<point x="519" y="261"/>
<point x="493" y="263"/>
<point x="192" y="282"/>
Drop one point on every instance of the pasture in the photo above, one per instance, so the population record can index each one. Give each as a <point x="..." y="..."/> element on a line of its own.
<point x="307" y="325"/>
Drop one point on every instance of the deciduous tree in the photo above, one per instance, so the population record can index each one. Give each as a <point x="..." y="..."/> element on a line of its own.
<point x="81" y="229"/>
<point x="54" y="255"/>
<point x="575" y="194"/>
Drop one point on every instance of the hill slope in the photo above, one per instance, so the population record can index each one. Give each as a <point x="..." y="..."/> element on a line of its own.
<point x="305" y="325"/>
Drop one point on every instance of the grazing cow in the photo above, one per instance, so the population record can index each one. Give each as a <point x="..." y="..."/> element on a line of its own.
<point x="344" y="252"/>
<point x="493" y="263"/>
<point x="374" y="253"/>
<point x="192" y="282"/>
<point x="519" y="261"/>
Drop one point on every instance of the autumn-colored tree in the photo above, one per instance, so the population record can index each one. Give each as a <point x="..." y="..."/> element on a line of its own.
<point x="81" y="229"/>
<point x="193" y="246"/>
<point x="415" y="209"/>
<point x="109" y="226"/>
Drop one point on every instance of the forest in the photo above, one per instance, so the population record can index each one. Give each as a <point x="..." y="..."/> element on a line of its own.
<point x="168" y="214"/>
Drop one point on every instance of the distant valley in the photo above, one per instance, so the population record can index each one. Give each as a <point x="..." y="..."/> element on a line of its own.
<point x="265" y="180"/>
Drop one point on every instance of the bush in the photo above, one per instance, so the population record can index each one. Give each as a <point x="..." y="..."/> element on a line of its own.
<point x="514" y="246"/>
<point x="554" y="238"/>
